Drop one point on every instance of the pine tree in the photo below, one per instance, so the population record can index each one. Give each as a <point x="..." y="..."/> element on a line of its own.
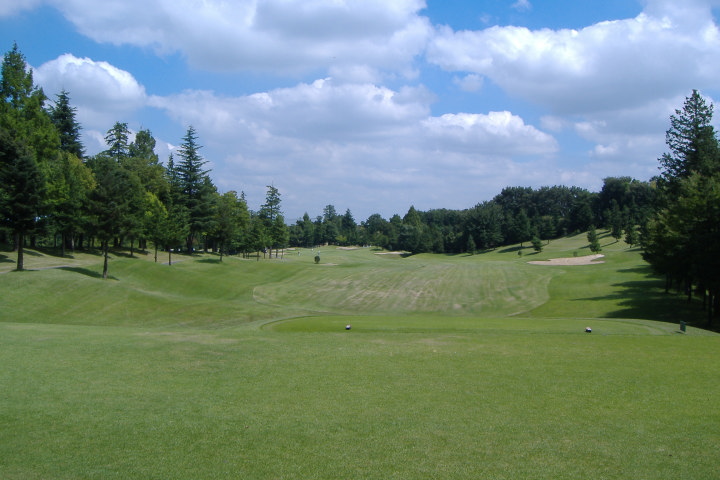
<point x="62" y="115"/>
<point x="23" y="188"/>
<point x="592" y="237"/>
<point x="27" y="126"/>
<point x="196" y="189"/>
<point x="691" y="140"/>
<point x="16" y="85"/>
<point x="117" y="140"/>
<point x="682" y="238"/>
<point x="537" y="243"/>
<point x="115" y="204"/>
<point x="268" y="214"/>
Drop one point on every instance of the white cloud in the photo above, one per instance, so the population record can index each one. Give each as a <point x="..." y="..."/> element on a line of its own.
<point x="494" y="134"/>
<point x="553" y="123"/>
<point x="320" y="111"/>
<point x="279" y="36"/>
<point x="374" y="146"/>
<point x="362" y="145"/>
<point x="660" y="53"/>
<point x="12" y="7"/>
<point x="102" y="93"/>
<point x="522" y="5"/>
<point x="469" y="83"/>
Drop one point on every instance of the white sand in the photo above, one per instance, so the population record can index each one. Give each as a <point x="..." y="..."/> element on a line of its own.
<point x="586" y="260"/>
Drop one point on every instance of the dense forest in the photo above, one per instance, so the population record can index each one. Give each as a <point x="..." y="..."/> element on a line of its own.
<point x="54" y="195"/>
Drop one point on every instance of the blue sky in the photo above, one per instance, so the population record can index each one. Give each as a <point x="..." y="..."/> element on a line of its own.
<point x="377" y="105"/>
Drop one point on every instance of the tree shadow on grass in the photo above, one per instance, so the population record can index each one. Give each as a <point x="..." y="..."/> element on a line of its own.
<point x="86" y="272"/>
<point x="646" y="299"/>
<point x="209" y="260"/>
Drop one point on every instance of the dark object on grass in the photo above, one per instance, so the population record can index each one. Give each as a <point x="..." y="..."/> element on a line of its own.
<point x="588" y="330"/>
<point x="347" y="327"/>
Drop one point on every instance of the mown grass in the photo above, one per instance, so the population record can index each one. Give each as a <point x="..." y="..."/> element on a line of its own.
<point x="244" y="369"/>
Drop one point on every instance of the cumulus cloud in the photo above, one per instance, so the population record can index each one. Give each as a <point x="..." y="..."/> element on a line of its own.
<point x="319" y="111"/>
<point x="279" y="36"/>
<point x="101" y="92"/>
<point x="494" y="134"/>
<point x="601" y="67"/>
<point x="347" y="140"/>
<point x="345" y="125"/>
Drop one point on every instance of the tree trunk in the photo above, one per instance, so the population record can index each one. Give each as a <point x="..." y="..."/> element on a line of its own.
<point x="62" y="245"/>
<point x="156" y="249"/>
<point x="105" y="260"/>
<point x="20" y="260"/>
<point x="169" y="256"/>
<point x="710" y="308"/>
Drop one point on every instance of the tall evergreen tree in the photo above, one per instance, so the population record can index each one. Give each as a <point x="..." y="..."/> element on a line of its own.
<point x="16" y="85"/>
<point x="69" y="179"/>
<point x="691" y="140"/>
<point x="269" y="212"/>
<point x="117" y="140"/>
<point x="22" y="109"/>
<point x="62" y="115"/>
<point x="308" y="231"/>
<point x="143" y="160"/>
<point x="23" y="187"/>
<point x="115" y="204"/>
<point x="195" y="187"/>
<point x="682" y="239"/>
<point x="27" y="124"/>
<point x="348" y="228"/>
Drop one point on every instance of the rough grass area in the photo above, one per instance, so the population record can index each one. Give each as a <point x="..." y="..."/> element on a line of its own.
<point x="455" y="367"/>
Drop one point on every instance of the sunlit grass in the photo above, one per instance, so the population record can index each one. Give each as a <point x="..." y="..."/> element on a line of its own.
<point x="454" y="367"/>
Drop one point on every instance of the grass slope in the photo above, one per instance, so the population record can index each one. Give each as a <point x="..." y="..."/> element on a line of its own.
<point x="456" y="367"/>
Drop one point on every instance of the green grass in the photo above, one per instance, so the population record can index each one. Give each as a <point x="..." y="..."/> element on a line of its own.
<point x="455" y="367"/>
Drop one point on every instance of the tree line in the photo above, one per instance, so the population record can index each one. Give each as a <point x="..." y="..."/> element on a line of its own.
<point x="516" y="215"/>
<point x="681" y="240"/>
<point x="51" y="192"/>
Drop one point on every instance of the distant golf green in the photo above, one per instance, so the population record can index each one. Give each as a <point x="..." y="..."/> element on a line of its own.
<point x="366" y="365"/>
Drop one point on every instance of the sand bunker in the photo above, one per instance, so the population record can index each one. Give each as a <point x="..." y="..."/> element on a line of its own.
<point x="586" y="260"/>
